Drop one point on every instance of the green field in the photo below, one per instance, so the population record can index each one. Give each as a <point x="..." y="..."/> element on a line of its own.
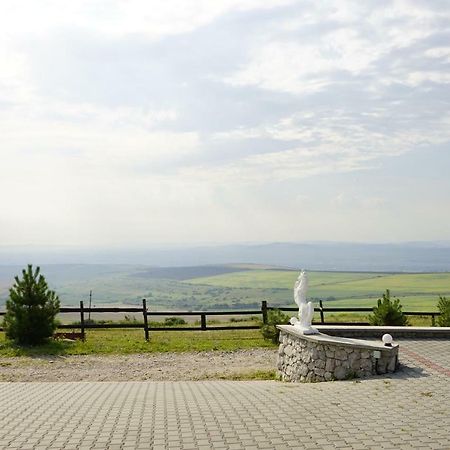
<point x="416" y="291"/>
<point x="236" y="286"/>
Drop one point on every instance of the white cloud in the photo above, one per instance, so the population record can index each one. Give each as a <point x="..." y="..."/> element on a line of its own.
<point x="439" y="53"/>
<point x="361" y="37"/>
<point x="420" y="77"/>
<point x="305" y="68"/>
<point x="330" y="142"/>
<point x="153" y="18"/>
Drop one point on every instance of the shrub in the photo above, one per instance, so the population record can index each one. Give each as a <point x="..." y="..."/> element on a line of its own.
<point x="269" y="330"/>
<point x="388" y="312"/>
<point x="31" y="309"/>
<point x="173" y="321"/>
<point x="444" y="308"/>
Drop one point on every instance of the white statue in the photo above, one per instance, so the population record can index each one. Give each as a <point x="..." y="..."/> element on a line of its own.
<point x="305" y="310"/>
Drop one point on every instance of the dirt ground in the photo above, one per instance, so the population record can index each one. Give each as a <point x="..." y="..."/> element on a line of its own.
<point x="138" y="367"/>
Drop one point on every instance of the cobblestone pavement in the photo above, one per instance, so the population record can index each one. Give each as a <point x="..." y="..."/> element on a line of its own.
<point x="409" y="409"/>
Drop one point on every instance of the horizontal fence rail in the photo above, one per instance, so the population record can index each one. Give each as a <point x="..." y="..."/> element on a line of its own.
<point x="203" y="315"/>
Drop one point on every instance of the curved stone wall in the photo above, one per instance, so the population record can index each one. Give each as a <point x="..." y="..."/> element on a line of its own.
<point x="318" y="357"/>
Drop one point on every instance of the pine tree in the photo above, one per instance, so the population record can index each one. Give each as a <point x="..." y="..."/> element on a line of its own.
<point x="388" y="312"/>
<point x="31" y="309"/>
<point x="444" y="308"/>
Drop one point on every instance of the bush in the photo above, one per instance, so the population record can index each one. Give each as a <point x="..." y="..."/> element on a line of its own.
<point x="31" y="309"/>
<point x="269" y="330"/>
<point x="388" y="312"/>
<point x="173" y="321"/>
<point x="444" y="308"/>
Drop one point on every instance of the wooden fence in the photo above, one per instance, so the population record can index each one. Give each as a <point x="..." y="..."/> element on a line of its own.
<point x="147" y="326"/>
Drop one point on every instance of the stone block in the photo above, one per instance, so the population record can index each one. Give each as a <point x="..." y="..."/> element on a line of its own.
<point x="366" y="364"/>
<point x="320" y="363"/>
<point x="340" y="373"/>
<point x="341" y="355"/>
<point x="319" y="372"/>
<point x="288" y="350"/>
<point x="355" y="364"/>
<point x="346" y="363"/>
<point x="330" y="365"/>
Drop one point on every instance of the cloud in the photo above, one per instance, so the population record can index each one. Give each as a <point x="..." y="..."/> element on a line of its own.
<point x="298" y="68"/>
<point x="333" y="141"/>
<point x="119" y="17"/>
<point x="356" y="42"/>
<point x="163" y="120"/>
<point x="115" y="141"/>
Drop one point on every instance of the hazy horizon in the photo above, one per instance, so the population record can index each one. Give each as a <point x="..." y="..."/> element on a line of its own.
<point x="401" y="257"/>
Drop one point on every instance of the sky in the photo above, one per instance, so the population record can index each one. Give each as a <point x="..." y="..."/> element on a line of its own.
<point x="134" y="123"/>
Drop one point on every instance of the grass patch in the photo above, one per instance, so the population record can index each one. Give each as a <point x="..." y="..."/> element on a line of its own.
<point x="253" y="375"/>
<point x="103" y="342"/>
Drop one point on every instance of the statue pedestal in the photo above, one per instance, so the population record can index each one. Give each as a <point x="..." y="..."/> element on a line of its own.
<point x="318" y="357"/>
<point x="305" y="330"/>
<point x="302" y="328"/>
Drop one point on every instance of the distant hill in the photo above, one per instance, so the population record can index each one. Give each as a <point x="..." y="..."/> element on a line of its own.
<point x="403" y="257"/>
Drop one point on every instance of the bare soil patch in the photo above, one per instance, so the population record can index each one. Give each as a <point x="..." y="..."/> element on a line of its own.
<point x="138" y="367"/>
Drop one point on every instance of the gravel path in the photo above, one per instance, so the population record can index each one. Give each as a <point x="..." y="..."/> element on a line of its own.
<point x="138" y="367"/>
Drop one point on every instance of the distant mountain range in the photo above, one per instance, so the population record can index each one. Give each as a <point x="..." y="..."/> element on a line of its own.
<point x="402" y="257"/>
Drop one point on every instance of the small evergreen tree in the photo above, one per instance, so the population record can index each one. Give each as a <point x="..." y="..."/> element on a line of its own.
<point x="388" y="312"/>
<point x="31" y="309"/>
<point x="444" y="308"/>
<point x="269" y="330"/>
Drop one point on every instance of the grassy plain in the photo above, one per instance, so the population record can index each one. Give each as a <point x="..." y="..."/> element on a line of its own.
<point x="346" y="289"/>
<point x="232" y="287"/>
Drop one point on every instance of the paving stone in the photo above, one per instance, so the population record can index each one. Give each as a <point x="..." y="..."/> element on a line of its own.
<point x="407" y="410"/>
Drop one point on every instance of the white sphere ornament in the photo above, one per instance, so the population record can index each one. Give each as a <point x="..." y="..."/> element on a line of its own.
<point x="387" y="340"/>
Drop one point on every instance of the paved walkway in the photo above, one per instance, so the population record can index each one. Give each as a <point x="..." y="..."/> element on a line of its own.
<point x="410" y="409"/>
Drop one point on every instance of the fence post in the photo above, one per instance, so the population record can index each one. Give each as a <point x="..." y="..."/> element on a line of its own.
<point x="433" y="322"/>
<point x="203" y="321"/>
<point x="322" y="320"/>
<point x="144" y="313"/>
<point x="83" y="333"/>
<point x="264" y="311"/>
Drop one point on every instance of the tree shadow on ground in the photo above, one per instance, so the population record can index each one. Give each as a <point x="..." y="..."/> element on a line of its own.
<point x="49" y="348"/>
